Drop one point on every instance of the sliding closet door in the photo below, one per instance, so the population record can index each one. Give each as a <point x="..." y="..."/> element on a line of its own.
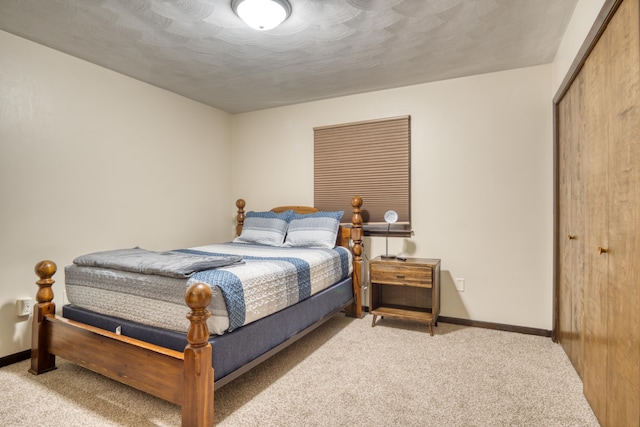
<point x="623" y="291"/>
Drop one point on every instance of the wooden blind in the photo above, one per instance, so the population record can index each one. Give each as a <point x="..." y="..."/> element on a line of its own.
<point x="370" y="159"/>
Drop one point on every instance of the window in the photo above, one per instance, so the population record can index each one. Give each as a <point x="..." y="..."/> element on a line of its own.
<point x="370" y="159"/>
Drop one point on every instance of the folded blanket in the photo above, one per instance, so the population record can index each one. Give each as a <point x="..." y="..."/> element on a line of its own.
<point x="170" y="264"/>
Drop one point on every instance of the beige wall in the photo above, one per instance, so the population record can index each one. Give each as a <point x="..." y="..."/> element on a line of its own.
<point x="481" y="182"/>
<point x="93" y="160"/>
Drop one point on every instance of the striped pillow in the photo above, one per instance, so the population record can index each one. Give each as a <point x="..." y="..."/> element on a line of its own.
<point x="264" y="228"/>
<point x="316" y="230"/>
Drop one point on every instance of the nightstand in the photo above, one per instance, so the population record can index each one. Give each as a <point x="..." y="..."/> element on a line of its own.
<point x="405" y="289"/>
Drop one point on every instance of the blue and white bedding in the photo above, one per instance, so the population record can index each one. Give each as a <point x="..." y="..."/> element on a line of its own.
<point x="269" y="279"/>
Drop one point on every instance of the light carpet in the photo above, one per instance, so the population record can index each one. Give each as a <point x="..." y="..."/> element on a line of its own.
<point x="344" y="373"/>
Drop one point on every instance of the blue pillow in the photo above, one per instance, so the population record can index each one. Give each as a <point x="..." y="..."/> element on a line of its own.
<point x="316" y="230"/>
<point x="264" y="228"/>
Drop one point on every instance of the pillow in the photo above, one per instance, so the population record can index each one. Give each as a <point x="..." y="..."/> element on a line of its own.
<point x="316" y="230"/>
<point x="264" y="228"/>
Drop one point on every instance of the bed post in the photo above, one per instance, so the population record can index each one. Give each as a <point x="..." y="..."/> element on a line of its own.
<point x="356" y="237"/>
<point x="41" y="360"/>
<point x="240" y="204"/>
<point x="197" y="408"/>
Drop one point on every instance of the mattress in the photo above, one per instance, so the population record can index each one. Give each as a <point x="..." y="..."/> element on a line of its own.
<point x="268" y="280"/>
<point x="232" y="352"/>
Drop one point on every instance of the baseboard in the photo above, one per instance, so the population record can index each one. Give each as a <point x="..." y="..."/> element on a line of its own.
<point x="489" y="325"/>
<point x="496" y="326"/>
<point x="14" y="358"/>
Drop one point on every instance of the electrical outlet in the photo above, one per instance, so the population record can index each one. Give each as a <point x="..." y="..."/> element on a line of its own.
<point x="24" y="306"/>
<point x="460" y="285"/>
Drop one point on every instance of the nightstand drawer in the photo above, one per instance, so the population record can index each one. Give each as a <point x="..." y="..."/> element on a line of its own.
<point x="401" y="275"/>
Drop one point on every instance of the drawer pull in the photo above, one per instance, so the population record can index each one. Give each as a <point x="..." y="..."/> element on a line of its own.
<point x="602" y="250"/>
<point x="399" y="276"/>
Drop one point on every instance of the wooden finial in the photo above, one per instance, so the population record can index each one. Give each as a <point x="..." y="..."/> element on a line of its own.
<point x="240" y="204"/>
<point x="198" y="297"/>
<point x="45" y="271"/>
<point x="356" y="201"/>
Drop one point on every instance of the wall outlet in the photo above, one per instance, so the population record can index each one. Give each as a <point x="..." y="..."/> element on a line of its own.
<point x="24" y="306"/>
<point x="459" y="285"/>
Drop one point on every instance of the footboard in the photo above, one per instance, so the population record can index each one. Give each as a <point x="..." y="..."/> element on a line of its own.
<point x="185" y="379"/>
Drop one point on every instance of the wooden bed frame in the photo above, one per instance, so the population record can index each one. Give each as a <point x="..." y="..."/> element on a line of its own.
<point x="184" y="378"/>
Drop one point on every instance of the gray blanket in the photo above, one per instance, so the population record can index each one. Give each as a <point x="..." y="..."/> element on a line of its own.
<point x="170" y="264"/>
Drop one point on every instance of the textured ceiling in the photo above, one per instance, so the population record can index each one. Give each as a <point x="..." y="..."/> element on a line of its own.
<point x="327" y="48"/>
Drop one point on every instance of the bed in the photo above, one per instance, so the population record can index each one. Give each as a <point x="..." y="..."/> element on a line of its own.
<point x="186" y="366"/>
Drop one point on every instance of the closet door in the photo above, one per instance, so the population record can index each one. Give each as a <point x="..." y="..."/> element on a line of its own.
<point x="571" y="223"/>
<point x="596" y="100"/>
<point x="598" y="176"/>
<point x="623" y="290"/>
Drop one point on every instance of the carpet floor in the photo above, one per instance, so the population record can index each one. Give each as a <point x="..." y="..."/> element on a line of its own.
<point x="344" y="373"/>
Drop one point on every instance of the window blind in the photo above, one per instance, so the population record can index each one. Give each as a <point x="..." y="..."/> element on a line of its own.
<point x="370" y="159"/>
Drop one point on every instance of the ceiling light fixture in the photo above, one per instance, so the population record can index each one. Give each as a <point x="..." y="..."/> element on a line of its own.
<point x="262" y="14"/>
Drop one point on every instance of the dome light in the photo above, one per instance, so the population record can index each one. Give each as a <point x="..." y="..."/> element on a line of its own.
<point x="262" y="15"/>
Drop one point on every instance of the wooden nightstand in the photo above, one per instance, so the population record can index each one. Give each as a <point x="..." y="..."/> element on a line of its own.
<point x="405" y="289"/>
